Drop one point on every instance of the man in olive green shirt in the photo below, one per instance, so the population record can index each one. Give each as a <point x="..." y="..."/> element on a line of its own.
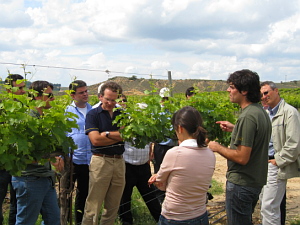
<point x="248" y="153"/>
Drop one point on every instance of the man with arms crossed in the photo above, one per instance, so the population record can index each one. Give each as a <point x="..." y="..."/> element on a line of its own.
<point x="248" y="153"/>
<point x="284" y="150"/>
<point x="107" y="168"/>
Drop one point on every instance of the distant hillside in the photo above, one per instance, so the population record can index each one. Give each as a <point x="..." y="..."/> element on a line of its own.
<point x="138" y="86"/>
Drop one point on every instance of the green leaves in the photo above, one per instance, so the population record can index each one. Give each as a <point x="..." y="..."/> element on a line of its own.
<point x="25" y="138"/>
<point x="153" y="123"/>
<point x="146" y="122"/>
<point x="213" y="107"/>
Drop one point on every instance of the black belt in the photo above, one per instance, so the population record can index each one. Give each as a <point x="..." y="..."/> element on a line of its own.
<point x="109" y="156"/>
<point x="271" y="157"/>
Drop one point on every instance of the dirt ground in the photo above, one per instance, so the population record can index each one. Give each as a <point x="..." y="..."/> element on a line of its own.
<point x="217" y="205"/>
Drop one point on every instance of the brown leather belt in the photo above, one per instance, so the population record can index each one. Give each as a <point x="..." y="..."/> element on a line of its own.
<point x="109" y="156"/>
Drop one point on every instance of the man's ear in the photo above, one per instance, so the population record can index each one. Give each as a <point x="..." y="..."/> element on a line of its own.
<point x="244" y="93"/>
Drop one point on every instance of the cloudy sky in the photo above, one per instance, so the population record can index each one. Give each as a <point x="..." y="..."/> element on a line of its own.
<point x="201" y="39"/>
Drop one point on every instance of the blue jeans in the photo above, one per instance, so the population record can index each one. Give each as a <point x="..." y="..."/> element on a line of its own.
<point x="200" y="220"/>
<point x="5" y="180"/>
<point x="240" y="203"/>
<point x="36" y="195"/>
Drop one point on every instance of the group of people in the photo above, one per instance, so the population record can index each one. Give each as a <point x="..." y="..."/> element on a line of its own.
<point x="263" y="153"/>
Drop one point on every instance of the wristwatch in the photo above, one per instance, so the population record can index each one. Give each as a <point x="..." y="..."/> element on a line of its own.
<point x="107" y="133"/>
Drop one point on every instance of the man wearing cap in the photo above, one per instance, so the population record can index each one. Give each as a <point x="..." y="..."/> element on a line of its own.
<point x="107" y="167"/>
<point x="160" y="149"/>
<point x="99" y="90"/>
<point x="138" y="172"/>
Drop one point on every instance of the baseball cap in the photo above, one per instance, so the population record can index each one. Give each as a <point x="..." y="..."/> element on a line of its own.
<point x="164" y="92"/>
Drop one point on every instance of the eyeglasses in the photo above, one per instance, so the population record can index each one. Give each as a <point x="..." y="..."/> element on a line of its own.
<point x="109" y="100"/>
<point x="21" y="88"/>
<point x="50" y="95"/>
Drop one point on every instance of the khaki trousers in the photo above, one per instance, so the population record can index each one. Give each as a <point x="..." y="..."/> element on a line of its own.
<point x="107" y="181"/>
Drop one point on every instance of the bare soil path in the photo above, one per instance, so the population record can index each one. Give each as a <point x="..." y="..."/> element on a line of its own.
<point x="217" y="204"/>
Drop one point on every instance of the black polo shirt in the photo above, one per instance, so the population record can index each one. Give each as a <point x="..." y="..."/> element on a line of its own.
<point x="99" y="120"/>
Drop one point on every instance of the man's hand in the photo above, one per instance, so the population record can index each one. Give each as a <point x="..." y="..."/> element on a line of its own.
<point x="226" y="126"/>
<point x="273" y="161"/>
<point x="59" y="164"/>
<point x="213" y="145"/>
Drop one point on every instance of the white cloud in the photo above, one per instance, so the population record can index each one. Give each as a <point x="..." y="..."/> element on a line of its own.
<point x="160" y="65"/>
<point x="193" y="38"/>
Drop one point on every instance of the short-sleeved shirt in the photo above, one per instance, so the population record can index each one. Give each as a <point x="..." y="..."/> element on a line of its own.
<point x="253" y="129"/>
<point x="100" y="120"/>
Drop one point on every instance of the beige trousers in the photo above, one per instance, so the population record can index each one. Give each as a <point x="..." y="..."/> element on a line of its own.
<point x="107" y="181"/>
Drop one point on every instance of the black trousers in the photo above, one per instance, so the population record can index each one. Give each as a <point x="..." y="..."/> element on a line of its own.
<point x="5" y="181"/>
<point x="138" y="176"/>
<point x="81" y="175"/>
<point x="159" y="154"/>
<point x="283" y="209"/>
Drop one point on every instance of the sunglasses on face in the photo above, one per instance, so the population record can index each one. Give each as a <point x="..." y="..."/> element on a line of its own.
<point x="50" y="95"/>
<point x="265" y="93"/>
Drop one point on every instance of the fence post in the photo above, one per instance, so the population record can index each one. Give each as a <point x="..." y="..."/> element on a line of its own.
<point x="170" y="83"/>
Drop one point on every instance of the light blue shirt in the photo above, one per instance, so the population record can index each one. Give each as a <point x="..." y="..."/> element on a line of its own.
<point x="83" y="154"/>
<point x="272" y="113"/>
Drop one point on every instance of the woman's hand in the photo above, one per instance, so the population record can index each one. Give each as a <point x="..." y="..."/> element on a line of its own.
<point x="152" y="179"/>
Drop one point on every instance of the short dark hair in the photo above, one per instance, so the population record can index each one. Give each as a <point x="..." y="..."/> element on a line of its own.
<point x="40" y="86"/>
<point x="246" y="80"/>
<point x="76" y="84"/>
<point x="123" y="97"/>
<point x="190" y="91"/>
<point x="270" y="83"/>
<point x="13" y="77"/>
<point x="190" y="119"/>
<point x="113" y="86"/>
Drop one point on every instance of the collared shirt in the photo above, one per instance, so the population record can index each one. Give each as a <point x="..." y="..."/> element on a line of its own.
<point x="272" y="113"/>
<point x="100" y="120"/>
<point x="189" y="143"/>
<point x="83" y="154"/>
<point x="136" y="156"/>
<point x="96" y="105"/>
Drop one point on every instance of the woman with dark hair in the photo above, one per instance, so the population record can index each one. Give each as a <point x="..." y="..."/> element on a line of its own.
<point x="186" y="172"/>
